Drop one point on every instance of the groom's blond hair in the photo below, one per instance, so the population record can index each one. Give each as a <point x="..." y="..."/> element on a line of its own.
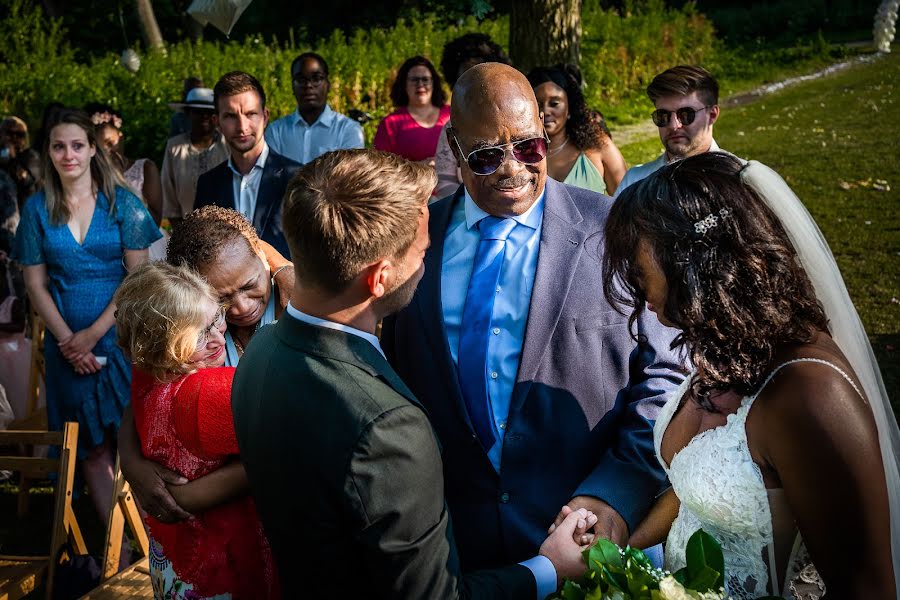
<point x="350" y="208"/>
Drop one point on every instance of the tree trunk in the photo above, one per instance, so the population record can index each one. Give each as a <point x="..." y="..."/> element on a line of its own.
<point x="149" y="26"/>
<point x="544" y="32"/>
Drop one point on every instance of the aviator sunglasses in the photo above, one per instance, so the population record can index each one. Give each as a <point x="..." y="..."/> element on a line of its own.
<point x="685" y="114"/>
<point x="486" y="161"/>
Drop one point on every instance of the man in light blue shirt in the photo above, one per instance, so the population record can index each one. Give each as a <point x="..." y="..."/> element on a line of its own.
<point x="314" y="128"/>
<point x="686" y="98"/>
<point x="512" y="298"/>
<point x="541" y="392"/>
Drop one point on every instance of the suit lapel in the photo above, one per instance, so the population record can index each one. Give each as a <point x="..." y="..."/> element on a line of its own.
<point x="226" y="186"/>
<point x="267" y="197"/>
<point x="562" y="243"/>
<point x="428" y="299"/>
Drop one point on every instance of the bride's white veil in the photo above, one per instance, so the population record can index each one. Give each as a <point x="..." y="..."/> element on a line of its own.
<point x="846" y="327"/>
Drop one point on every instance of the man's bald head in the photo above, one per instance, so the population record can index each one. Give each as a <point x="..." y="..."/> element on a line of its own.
<point x="490" y="88"/>
<point x="493" y="105"/>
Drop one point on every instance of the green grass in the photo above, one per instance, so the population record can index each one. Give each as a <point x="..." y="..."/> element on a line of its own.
<point x="833" y="140"/>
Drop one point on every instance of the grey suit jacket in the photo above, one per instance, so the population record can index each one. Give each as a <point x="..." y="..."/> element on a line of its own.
<point x="584" y="400"/>
<point x="346" y="472"/>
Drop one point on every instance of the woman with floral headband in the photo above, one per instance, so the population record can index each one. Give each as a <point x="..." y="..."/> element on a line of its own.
<point x="141" y="174"/>
<point x="782" y="444"/>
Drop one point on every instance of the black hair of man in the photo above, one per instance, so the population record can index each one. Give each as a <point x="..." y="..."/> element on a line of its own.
<point x="312" y="55"/>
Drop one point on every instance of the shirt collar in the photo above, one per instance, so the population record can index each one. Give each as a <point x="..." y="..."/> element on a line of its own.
<point x="325" y="119"/>
<point x="531" y="218"/>
<point x="260" y="161"/>
<point x="305" y="318"/>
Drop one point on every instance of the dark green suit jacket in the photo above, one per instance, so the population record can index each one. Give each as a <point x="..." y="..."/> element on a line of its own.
<point x="346" y="473"/>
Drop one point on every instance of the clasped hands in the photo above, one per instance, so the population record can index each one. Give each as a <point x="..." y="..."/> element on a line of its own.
<point x="78" y="350"/>
<point x="576" y="526"/>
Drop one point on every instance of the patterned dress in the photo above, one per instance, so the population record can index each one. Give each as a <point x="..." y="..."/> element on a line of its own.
<point x="82" y="280"/>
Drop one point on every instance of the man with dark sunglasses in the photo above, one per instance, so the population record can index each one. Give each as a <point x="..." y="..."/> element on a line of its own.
<point x="686" y="99"/>
<point x="538" y="393"/>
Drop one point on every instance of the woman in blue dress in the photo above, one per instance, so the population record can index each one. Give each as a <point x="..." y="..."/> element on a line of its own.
<point x="76" y="240"/>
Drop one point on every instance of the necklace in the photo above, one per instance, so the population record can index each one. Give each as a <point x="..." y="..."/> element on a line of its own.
<point x="555" y="151"/>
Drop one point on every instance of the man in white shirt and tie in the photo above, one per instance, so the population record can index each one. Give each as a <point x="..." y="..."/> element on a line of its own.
<point x="314" y="128"/>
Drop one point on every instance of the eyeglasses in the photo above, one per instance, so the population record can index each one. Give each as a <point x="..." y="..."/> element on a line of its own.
<point x="486" y="161"/>
<point x="685" y="114"/>
<point x="315" y="80"/>
<point x="426" y="81"/>
<point x="15" y="133"/>
<point x="203" y="337"/>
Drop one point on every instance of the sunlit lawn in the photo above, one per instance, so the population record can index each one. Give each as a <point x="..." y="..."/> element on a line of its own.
<point x="835" y="141"/>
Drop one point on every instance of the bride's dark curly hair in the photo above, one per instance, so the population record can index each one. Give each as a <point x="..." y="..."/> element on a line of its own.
<point x="736" y="290"/>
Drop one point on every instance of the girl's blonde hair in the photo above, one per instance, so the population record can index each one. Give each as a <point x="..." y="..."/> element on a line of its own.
<point x="159" y="317"/>
<point x="105" y="176"/>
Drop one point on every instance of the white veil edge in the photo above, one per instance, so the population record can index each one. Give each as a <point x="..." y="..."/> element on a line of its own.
<point x="846" y="327"/>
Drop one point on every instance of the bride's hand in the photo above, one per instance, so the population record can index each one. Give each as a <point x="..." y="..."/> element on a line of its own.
<point x="610" y="523"/>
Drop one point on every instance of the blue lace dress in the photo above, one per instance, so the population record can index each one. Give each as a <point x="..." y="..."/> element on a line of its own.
<point x="83" y="278"/>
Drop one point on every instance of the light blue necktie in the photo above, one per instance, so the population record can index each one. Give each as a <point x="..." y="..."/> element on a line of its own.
<point x="475" y="329"/>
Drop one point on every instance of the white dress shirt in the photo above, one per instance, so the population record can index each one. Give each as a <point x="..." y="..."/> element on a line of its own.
<point x="311" y="320"/>
<point x="246" y="187"/>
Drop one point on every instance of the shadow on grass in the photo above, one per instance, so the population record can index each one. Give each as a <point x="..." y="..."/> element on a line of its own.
<point x="887" y="351"/>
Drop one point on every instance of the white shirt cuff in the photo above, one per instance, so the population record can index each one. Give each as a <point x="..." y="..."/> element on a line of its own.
<point x="544" y="575"/>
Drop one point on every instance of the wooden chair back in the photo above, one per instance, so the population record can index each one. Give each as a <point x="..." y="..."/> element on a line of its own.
<point x="19" y="575"/>
<point x="122" y="510"/>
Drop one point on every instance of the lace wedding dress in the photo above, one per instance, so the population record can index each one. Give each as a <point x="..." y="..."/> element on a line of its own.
<point x="721" y="488"/>
<point x="721" y="491"/>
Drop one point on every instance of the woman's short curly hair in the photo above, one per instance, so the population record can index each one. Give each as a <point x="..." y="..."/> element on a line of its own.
<point x="735" y="289"/>
<point x="585" y="127"/>
<point x="159" y="317"/>
<point x="199" y="239"/>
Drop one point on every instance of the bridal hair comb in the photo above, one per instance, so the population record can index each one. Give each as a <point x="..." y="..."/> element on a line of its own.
<point x="710" y="221"/>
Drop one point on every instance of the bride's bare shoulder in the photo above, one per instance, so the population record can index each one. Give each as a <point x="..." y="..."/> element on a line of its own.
<point x="814" y="391"/>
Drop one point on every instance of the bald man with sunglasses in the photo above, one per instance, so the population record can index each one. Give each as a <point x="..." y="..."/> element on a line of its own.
<point x="538" y="393"/>
<point x="686" y="98"/>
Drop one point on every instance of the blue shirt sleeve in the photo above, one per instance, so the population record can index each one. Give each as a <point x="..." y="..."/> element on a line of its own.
<point x="136" y="226"/>
<point x="544" y="575"/>
<point x="29" y="243"/>
<point x="353" y="136"/>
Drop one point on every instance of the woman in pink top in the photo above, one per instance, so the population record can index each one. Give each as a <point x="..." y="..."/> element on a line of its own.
<point x="412" y="131"/>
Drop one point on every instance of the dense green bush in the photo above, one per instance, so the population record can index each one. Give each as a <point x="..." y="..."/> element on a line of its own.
<point x="622" y="50"/>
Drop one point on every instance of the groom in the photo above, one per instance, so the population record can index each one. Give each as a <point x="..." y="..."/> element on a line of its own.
<point x="343" y="464"/>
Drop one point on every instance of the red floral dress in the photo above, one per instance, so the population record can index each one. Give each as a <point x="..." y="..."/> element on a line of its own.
<point x="186" y="425"/>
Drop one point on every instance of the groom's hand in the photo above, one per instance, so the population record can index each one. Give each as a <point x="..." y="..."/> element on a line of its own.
<point x="562" y="550"/>
<point x="610" y="524"/>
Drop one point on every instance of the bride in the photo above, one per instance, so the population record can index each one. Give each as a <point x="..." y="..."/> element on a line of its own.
<point x="782" y="444"/>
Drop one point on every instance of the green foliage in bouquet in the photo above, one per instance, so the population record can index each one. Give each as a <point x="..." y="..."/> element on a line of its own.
<point x="614" y="573"/>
